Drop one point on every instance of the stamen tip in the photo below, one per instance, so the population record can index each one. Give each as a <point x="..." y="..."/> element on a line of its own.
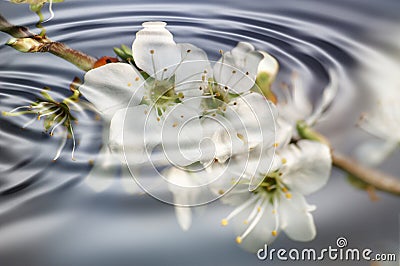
<point x="274" y="233"/>
<point x="239" y="240"/>
<point x="224" y="222"/>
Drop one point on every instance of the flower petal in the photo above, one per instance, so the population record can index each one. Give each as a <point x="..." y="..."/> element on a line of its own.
<point x="182" y="197"/>
<point x="284" y="133"/>
<point x="307" y="166"/>
<point x="327" y="98"/>
<point x="269" y="65"/>
<point x="134" y="132"/>
<point x="296" y="106"/>
<point x="240" y="53"/>
<point x="238" y="69"/>
<point x="112" y="86"/>
<point x="226" y="183"/>
<point x="184" y="217"/>
<point x="223" y="136"/>
<point x="193" y="71"/>
<point x="155" y="51"/>
<point x="296" y="220"/>
<point x="186" y="191"/>
<point x="253" y="116"/>
<point x="261" y="234"/>
<point x="253" y="119"/>
<point x="182" y="134"/>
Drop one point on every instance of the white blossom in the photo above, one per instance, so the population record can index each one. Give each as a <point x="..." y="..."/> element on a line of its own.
<point x="278" y="203"/>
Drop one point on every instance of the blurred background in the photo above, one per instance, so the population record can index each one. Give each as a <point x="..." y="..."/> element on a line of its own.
<point x="49" y="215"/>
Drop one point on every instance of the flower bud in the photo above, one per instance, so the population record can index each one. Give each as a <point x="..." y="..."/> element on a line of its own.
<point x="25" y="45"/>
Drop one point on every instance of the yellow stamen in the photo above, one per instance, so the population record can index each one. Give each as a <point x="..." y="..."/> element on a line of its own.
<point x="238" y="240"/>
<point x="288" y="195"/>
<point x="246" y="222"/>
<point x="284" y="160"/>
<point x="276" y="144"/>
<point x="274" y="233"/>
<point x="224" y="222"/>
<point x="129" y="84"/>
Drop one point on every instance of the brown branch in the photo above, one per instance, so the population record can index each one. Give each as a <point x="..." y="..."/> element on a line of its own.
<point x="26" y="41"/>
<point x="375" y="178"/>
<point x="15" y="31"/>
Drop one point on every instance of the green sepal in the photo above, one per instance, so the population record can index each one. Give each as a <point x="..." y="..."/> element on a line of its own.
<point x="124" y="52"/>
<point x="306" y="132"/>
<point x="47" y="95"/>
<point x="263" y="83"/>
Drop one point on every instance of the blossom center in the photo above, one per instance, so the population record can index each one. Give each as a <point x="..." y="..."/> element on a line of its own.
<point x="161" y="93"/>
<point x="272" y="185"/>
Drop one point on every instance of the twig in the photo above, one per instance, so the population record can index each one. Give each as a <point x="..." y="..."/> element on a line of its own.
<point x="44" y="44"/>
<point x="377" y="179"/>
<point x="15" y="31"/>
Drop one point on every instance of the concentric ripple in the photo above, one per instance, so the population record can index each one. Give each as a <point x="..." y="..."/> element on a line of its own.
<point x="309" y="39"/>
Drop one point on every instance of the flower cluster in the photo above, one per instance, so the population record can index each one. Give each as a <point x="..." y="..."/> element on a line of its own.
<point x="211" y="130"/>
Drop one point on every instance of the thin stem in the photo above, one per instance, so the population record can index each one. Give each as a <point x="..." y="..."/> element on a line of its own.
<point x="375" y="178"/>
<point x="15" y="31"/>
<point x="78" y="58"/>
<point x="39" y="23"/>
